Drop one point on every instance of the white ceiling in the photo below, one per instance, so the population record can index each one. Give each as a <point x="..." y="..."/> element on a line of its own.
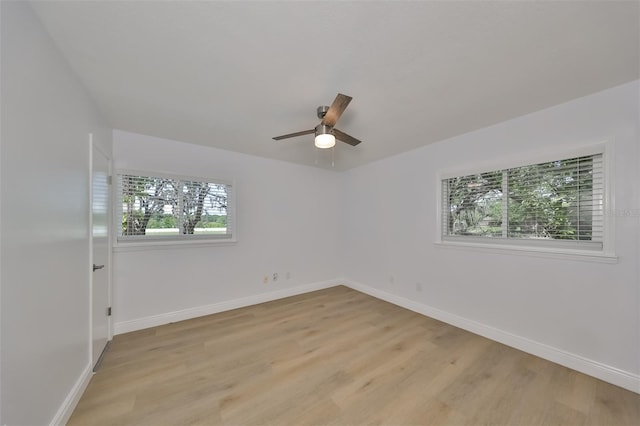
<point x="233" y="74"/>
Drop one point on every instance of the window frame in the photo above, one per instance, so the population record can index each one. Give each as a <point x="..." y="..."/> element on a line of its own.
<point x="168" y="241"/>
<point x="561" y="249"/>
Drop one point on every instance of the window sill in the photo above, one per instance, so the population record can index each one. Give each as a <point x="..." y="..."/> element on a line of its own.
<point x="169" y="245"/>
<point x="546" y="252"/>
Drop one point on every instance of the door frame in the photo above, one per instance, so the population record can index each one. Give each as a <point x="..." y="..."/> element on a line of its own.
<point x="93" y="146"/>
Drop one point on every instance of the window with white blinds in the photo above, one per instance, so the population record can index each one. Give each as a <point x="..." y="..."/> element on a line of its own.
<point x="554" y="204"/>
<point x="156" y="207"/>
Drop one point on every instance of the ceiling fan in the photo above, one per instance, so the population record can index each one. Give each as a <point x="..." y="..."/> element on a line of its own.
<point x="325" y="132"/>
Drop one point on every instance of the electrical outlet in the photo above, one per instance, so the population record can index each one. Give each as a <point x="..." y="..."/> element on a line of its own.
<point x="288" y="276"/>
<point x="418" y="286"/>
<point x="265" y="279"/>
<point x="275" y="276"/>
<point x="391" y="279"/>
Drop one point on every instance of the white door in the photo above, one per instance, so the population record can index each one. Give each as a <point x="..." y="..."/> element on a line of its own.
<point x="99" y="252"/>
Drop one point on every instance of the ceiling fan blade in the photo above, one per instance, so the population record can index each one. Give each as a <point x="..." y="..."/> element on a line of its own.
<point x="342" y="136"/>
<point x="293" y="135"/>
<point x="336" y="109"/>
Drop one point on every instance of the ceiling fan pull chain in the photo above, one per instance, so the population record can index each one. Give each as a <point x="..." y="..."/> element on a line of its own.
<point x="332" y="163"/>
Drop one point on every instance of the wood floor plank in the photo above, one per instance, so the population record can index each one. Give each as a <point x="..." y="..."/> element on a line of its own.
<point x="336" y="357"/>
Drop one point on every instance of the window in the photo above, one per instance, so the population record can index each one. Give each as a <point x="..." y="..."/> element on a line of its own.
<point x="553" y="204"/>
<point x="167" y="208"/>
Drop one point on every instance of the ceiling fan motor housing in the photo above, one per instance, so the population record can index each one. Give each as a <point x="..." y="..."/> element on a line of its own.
<point x="323" y="129"/>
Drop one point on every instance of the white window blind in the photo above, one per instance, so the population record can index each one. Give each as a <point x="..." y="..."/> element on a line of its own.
<point x="557" y="203"/>
<point x="156" y="207"/>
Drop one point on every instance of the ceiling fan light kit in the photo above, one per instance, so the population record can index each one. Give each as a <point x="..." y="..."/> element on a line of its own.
<point x="325" y="133"/>
<point x="324" y="137"/>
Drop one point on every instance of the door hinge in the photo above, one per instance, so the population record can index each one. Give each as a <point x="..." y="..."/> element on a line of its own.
<point x="109" y="180"/>
<point x="109" y="311"/>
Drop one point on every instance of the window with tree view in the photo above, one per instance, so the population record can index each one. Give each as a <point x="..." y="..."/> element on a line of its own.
<point x="168" y="208"/>
<point x="558" y="203"/>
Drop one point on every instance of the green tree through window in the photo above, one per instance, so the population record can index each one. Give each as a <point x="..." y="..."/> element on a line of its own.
<point x="557" y="200"/>
<point x="155" y="206"/>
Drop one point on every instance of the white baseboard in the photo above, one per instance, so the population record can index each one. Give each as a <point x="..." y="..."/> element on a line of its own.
<point x="593" y="368"/>
<point x="199" y="311"/>
<point x="70" y="402"/>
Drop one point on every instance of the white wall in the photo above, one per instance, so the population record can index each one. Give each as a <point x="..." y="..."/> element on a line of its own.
<point x="587" y="310"/>
<point x="46" y="118"/>
<point x="288" y="220"/>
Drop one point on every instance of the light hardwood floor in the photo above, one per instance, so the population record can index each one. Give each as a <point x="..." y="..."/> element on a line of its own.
<point x="336" y="357"/>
